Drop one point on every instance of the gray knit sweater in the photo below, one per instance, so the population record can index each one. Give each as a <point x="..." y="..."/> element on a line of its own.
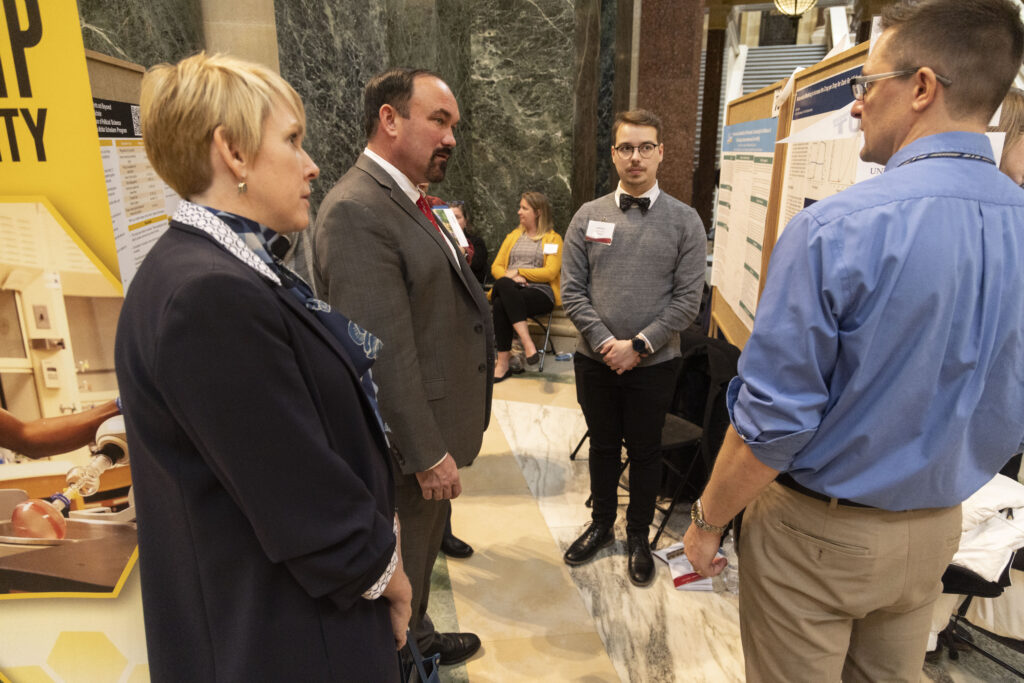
<point x="649" y="279"/>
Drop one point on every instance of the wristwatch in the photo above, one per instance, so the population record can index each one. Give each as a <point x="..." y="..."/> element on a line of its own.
<point x="639" y="345"/>
<point x="697" y="515"/>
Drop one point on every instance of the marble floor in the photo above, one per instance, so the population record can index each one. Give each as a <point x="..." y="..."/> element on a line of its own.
<point x="522" y="505"/>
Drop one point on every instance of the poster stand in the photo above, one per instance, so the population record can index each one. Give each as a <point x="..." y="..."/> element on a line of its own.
<point x="730" y="320"/>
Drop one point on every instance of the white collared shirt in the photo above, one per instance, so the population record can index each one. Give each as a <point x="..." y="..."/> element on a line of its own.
<point x="406" y="185"/>
<point x="651" y="193"/>
<point x="410" y="190"/>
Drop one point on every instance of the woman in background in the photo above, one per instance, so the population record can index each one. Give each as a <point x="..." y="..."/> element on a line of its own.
<point x="477" y="253"/>
<point x="267" y="534"/>
<point x="1011" y="122"/>
<point x="526" y="273"/>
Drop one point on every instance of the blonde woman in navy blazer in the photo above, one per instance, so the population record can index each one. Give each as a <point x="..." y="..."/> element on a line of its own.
<point x="267" y="543"/>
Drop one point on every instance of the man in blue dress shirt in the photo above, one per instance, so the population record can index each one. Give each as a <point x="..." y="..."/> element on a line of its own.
<point x="884" y="379"/>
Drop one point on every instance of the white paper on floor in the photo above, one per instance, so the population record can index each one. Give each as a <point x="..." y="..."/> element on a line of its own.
<point x="683" y="576"/>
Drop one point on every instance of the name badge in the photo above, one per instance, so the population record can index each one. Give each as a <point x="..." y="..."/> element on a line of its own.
<point x="550" y="248"/>
<point x="599" y="231"/>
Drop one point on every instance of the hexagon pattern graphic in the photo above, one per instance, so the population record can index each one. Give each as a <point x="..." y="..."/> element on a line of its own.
<point x="86" y="656"/>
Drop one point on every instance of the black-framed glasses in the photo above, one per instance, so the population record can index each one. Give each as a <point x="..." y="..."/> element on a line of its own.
<point x="645" y="149"/>
<point x="859" y="84"/>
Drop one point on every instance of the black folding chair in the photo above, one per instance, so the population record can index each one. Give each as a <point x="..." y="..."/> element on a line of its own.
<point x="547" y="337"/>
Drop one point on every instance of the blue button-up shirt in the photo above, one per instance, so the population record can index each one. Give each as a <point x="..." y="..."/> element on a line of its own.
<point x="886" y="363"/>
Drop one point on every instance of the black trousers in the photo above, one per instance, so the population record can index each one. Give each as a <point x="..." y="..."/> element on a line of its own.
<point x="629" y="407"/>
<point x="512" y="304"/>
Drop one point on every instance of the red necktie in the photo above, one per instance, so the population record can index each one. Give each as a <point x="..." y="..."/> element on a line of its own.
<point x="425" y="209"/>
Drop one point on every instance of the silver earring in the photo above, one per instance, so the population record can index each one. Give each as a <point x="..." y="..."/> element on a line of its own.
<point x="242" y="187"/>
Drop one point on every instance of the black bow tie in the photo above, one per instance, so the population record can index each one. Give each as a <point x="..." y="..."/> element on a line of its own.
<point x="628" y="200"/>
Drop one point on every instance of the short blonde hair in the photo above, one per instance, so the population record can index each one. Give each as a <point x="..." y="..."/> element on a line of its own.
<point x="539" y="203"/>
<point x="182" y="104"/>
<point x="1011" y="118"/>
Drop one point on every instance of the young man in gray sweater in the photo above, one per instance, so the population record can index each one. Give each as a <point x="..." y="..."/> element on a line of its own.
<point x="632" y="276"/>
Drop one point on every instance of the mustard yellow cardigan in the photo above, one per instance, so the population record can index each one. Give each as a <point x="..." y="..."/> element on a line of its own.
<point x="550" y="272"/>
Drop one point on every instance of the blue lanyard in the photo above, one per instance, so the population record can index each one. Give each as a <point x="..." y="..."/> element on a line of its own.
<point x="949" y="155"/>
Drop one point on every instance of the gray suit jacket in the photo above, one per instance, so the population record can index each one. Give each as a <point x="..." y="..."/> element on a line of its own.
<point x="380" y="261"/>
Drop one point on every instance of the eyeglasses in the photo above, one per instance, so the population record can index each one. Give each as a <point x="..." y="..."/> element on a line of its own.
<point x="645" y="149"/>
<point x="859" y="84"/>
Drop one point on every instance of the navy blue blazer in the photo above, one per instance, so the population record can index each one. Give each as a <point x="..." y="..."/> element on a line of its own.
<point x="263" y="490"/>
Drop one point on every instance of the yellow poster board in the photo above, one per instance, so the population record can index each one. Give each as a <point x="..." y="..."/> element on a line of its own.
<point x="48" y="139"/>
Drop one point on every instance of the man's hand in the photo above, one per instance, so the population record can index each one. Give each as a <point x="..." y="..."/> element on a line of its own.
<point x="618" y="354"/>
<point x="701" y="549"/>
<point x="441" y="482"/>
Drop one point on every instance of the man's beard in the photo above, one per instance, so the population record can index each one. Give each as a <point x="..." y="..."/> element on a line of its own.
<point x="436" y="168"/>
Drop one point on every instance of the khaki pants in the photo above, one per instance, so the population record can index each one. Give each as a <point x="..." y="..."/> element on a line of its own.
<point x="831" y="593"/>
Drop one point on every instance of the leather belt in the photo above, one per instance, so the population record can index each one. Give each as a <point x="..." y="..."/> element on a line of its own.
<point x="790" y="483"/>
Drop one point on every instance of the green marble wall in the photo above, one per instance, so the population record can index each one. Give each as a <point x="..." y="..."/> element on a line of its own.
<point x="141" y="31"/>
<point x="508" y="63"/>
<point x="521" y="94"/>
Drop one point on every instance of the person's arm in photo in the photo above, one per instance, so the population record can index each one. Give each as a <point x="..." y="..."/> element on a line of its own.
<point x="53" y="435"/>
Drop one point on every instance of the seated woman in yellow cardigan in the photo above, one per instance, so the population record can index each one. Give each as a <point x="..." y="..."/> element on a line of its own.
<point x="526" y="273"/>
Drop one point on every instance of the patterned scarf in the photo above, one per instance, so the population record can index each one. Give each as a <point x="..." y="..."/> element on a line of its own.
<point x="257" y="246"/>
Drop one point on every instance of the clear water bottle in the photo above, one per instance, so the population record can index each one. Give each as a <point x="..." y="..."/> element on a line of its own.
<point x="731" y="575"/>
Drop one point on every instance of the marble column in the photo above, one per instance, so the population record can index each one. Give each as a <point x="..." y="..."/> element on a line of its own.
<point x="606" y="177"/>
<point x="714" y="62"/>
<point x="623" y="94"/>
<point x="328" y="50"/>
<point x="520" y="95"/>
<point x="142" y="32"/>
<point x="668" y="78"/>
<point x="243" y="28"/>
<point x="585" y="115"/>
<point x="510" y="66"/>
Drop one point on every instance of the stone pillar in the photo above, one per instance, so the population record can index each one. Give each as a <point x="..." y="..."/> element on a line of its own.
<point x="142" y="31"/>
<point x="245" y="29"/>
<point x="328" y="52"/>
<point x="714" y="63"/>
<point x="585" y="112"/>
<point x="668" y="77"/>
<point x="520" y="91"/>
<point x="623" y="92"/>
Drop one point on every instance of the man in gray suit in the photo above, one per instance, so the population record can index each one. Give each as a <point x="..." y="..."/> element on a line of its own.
<point x="380" y="257"/>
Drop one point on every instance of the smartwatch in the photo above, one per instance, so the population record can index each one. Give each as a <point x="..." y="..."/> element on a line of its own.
<point x="639" y="346"/>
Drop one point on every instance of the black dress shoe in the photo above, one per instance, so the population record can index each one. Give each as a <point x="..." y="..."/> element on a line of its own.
<point x="534" y="359"/>
<point x="508" y="373"/>
<point x="453" y="647"/>
<point x="586" y="546"/>
<point x="455" y="547"/>
<point x="641" y="562"/>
